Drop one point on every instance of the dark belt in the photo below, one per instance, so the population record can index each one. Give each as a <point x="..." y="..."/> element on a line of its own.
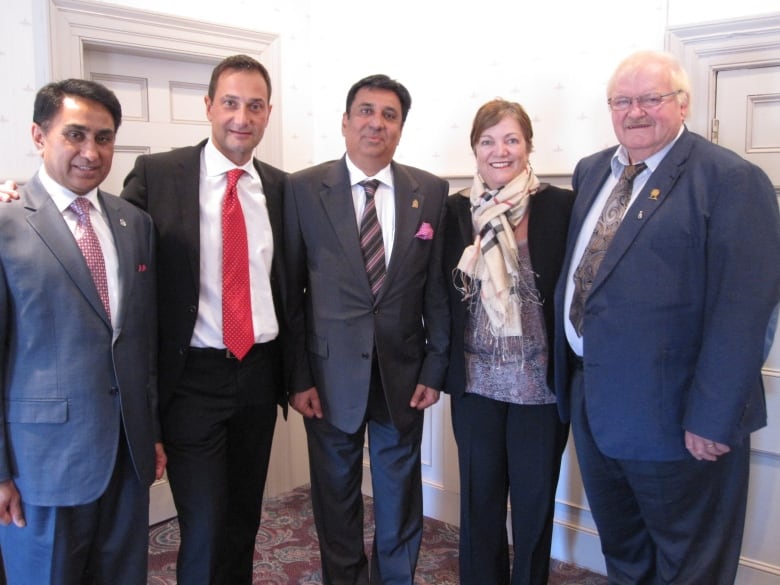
<point x="220" y="353"/>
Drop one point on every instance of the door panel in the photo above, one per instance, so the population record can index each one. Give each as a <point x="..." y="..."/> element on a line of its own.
<point x="748" y="112"/>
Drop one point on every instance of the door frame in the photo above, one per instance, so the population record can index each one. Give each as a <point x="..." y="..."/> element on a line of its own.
<point x="706" y="49"/>
<point x="77" y="25"/>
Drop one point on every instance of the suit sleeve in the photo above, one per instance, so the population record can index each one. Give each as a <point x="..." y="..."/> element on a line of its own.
<point x="742" y="288"/>
<point x="298" y="376"/>
<point x="5" y="463"/>
<point x="134" y="187"/>
<point x="436" y="311"/>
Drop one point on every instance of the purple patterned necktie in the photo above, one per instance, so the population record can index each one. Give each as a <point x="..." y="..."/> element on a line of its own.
<point x="90" y="247"/>
<point x="605" y="229"/>
<point x="371" y="243"/>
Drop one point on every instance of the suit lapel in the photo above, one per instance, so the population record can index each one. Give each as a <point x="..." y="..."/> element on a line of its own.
<point x="124" y="246"/>
<point x="46" y="220"/>
<point x="187" y="193"/>
<point x="653" y="195"/>
<point x="336" y="197"/>
<point x="408" y="207"/>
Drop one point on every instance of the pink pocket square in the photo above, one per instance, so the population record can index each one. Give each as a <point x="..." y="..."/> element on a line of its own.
<point x="141" y="268"/>
<point x="425" y="232"/>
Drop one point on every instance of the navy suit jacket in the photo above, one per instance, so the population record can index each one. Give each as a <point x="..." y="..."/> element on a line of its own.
<point x="335" y="323"/>
<point x="167" y="185"/>
<point x="674" y="324"/>
<point x="68" y="380"/>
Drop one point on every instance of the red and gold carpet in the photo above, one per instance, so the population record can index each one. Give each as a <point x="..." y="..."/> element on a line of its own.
<point x="286" y="551"/>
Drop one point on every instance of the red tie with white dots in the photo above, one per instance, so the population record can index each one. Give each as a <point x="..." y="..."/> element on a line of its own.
<point x="237" y="331"/>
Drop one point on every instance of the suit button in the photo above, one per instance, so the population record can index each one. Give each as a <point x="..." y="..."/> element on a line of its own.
<point x="114" y="391"/>
<point x="376" y="311"/>
<point x="365" y="356"/>
<point x="192" y="309"/>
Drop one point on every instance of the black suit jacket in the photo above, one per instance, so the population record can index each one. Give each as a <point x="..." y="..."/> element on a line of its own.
<point x="548" y="222"/>
<point x="166" y="185"/>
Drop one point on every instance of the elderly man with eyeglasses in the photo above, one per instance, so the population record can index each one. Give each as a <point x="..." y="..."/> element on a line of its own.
<point x="670" y="277"/>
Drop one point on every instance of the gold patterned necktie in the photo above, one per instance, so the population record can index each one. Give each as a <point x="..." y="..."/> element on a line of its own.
<point x="90" y="248"/>
<point x="606" y="227"/>
<point x="371" y="242"/>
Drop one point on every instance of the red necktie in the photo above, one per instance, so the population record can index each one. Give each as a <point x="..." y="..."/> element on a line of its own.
<point x="89" y="245"/>
<point x="237" y="331"/>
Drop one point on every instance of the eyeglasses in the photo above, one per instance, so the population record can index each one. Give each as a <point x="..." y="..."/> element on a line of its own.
<point x="646" y="102"/>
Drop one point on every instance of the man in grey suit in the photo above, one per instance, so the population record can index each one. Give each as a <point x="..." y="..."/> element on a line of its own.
<point x="79" y="435"/>
<point x="369" y="344"/>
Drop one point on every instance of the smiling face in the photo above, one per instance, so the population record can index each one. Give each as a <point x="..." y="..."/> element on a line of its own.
<point x="501" y="152"/>
<point x="77" y="144"/>
<point x="372" y="129"/>
<point x="238" y="113"/>
<point x="645" y="131"/>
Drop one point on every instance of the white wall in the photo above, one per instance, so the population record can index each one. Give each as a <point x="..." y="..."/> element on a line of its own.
<point x="543" y="54"/>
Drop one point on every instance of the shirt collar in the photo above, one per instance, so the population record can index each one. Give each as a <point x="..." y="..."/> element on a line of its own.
<point x="384" y="176"/>
<point x="218" y="164"/>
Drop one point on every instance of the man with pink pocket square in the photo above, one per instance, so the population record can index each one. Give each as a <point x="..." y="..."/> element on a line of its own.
<point x="369" y="332"/>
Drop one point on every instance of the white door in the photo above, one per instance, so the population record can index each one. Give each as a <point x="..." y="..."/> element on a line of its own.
<point x="162" y="108"/>
<point x="747" y="110"/>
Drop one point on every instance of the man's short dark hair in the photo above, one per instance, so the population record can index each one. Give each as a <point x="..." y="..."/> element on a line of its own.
<point x="238" y="63"/>
<point x="380" y="81"/>
<point x="49" y="98"/>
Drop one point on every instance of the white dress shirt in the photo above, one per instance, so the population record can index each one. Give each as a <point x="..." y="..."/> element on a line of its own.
<point x="213" y="181"/>
<point x="384" y="200"/>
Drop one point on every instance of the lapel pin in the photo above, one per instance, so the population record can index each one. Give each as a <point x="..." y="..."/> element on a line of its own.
<point x="122" y="222"/>
<point x="415" y="204"/>
<point x="654" y="194"/>
<point x="141" y="268"/>
<point x="640" y="215"/>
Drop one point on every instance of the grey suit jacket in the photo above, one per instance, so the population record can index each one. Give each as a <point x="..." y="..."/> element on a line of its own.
<point x="68" y="380"/>
<point x="335" y="324"/>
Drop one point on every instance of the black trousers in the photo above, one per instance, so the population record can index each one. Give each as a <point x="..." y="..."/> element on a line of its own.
<point x="218" y="429"/>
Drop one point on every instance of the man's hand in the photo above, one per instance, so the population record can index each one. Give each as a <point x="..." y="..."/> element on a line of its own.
<point x="424" y="396"/>
<point x="161" y="460"/>
<point x="8" y="191"/>
<point x="702" y="448"/>
<point x="10" y="504"/>
<point x="307" y="403"/>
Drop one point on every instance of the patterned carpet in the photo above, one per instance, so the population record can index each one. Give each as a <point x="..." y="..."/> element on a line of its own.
<point x="286" y="551"/>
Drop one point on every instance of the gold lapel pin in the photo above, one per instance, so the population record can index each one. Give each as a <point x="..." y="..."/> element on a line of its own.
<point x="415" y="204"/>
<point x="654" y="194"/>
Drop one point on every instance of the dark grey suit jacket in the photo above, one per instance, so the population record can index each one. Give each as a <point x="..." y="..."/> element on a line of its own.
<point x="336" y="325"/>
<point x="68" y="381"/>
